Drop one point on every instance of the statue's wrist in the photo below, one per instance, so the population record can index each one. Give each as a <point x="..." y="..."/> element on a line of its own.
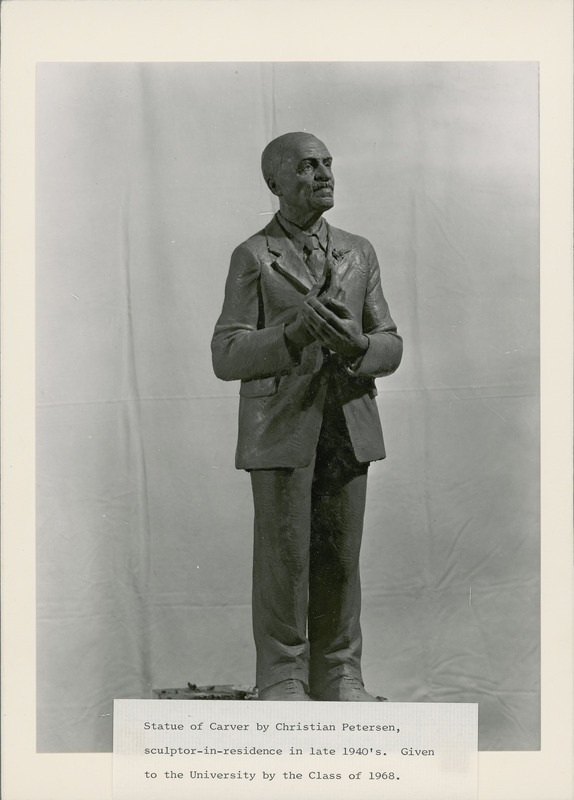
<point x="290" y="332"/>
<point x="362" y="346"/>
<point x="296" y="334"/>
<point x="293" y="346"/>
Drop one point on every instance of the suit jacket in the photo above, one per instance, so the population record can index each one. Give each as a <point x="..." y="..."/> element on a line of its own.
<point x="283" y="390"/>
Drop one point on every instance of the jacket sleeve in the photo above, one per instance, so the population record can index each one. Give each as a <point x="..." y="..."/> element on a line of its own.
<point x="385" y="349"/>
<point x="242" y="347"/>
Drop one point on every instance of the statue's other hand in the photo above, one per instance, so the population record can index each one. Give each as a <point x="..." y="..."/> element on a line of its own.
<point x="298" y="331"/>
<point x="334" y="326"/>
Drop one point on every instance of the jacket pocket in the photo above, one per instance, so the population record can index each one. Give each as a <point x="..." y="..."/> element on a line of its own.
<point x="260" y="387"/>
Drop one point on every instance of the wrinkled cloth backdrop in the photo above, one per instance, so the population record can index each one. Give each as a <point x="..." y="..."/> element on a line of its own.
<point x="147" y="178"/>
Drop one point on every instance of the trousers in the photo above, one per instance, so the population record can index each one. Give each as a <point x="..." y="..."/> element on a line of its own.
<point x="306" y="583"/>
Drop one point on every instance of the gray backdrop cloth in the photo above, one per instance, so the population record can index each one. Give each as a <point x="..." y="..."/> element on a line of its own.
<point x="147" y="178"/>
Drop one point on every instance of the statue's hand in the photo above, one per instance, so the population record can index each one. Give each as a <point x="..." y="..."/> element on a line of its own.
<point x="334" y="326"/>
<point x="298" y="331"/>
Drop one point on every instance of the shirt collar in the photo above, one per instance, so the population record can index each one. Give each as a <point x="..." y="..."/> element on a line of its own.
<point x="304" y="238"/>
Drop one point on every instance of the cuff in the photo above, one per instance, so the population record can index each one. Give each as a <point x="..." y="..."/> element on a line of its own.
<point x="294" y="349"/>
<point x="354" y="366"/>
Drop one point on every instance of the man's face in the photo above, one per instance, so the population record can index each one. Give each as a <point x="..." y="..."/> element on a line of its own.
<point x="304" y="181"/>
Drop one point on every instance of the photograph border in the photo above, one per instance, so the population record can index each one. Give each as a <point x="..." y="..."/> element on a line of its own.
<point x="441" y="30"/>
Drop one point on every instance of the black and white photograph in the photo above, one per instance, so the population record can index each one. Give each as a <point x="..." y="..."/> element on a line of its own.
<point x="148" y="178"/>
<point x="288" y="330"/>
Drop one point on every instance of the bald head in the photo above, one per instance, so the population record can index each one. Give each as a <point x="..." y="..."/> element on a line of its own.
<point x="281" y="149"/>
<point x="297" y="169"/>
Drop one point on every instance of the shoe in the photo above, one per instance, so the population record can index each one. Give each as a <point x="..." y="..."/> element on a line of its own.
<point x="349" y="690"/>
<point x="290" y="689"/>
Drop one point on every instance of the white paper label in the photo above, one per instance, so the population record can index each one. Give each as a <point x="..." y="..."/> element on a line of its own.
<point x="171" y="749"/>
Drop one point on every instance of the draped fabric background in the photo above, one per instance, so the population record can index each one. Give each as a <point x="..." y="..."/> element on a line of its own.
<point x="147" y="178"/>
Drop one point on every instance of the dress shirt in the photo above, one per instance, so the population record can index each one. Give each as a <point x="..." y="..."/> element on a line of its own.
<point x="311" y="245"/>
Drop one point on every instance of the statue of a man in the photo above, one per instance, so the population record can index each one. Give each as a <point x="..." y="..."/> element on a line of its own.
<point x="306" y="328"/>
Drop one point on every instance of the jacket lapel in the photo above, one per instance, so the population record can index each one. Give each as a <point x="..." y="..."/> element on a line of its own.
<point x="339" y="256"/>
<point x="285" y="259"/>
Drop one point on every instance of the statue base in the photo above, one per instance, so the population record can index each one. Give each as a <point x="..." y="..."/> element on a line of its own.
<point x="221" y="692"/>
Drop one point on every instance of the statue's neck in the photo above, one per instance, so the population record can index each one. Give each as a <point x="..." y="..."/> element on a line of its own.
<point x="309" y="222"/>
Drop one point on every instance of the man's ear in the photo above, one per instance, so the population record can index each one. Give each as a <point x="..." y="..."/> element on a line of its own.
<point x="272" y="184"/>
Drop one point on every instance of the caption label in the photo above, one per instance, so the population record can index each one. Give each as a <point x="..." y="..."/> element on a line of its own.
<point x="171" y="749"/>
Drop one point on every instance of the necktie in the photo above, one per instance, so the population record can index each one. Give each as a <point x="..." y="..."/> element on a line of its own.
<point x="314" y="257"/>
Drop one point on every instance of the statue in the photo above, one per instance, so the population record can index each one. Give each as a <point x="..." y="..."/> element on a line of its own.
<point x="306" y="329"/>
